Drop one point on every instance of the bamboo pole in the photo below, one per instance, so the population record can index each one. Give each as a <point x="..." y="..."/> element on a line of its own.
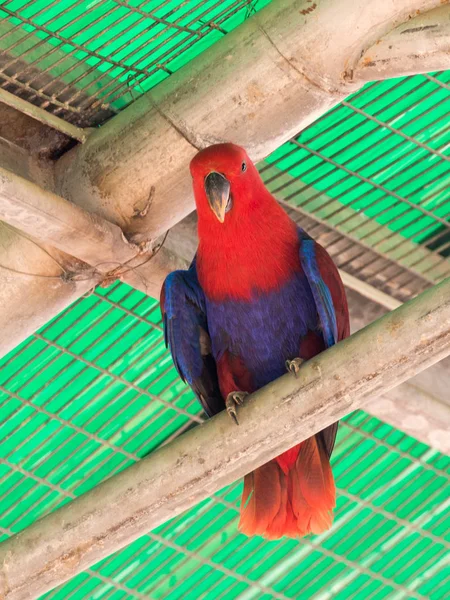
<point x="58" y="222"/>
<point x="203" y="460"/>
<point x="64" y="252"/>
<point x="258" y="86"/>
<point x="421" y="45"/>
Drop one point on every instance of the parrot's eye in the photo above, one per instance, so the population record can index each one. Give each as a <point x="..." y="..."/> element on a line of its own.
<point x="244" y="167"/>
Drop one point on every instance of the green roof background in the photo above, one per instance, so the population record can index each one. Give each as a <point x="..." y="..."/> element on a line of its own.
<point x="95" y="389"/>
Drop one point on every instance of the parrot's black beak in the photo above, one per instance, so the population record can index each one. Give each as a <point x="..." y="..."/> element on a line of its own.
<point x="217" y="189"/>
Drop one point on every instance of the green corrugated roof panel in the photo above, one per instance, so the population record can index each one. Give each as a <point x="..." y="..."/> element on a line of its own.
<point x="95" y="390"/>
<point x="114" y="49"/>
<point x="384" y="150"/>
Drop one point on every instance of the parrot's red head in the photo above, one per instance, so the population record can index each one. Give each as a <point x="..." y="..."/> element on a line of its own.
<point x="226" y="184"/>
<point x="244" y="233"/>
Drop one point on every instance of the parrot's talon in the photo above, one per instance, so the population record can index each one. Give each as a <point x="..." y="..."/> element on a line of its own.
<point x="232" y="412"/>
<point x="293" y="366"/>
<point x="234" y="399"/>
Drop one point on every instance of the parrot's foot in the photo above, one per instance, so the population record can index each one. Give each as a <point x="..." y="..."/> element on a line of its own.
<point x="234" y="399"/>
<point x="293" y="366"/>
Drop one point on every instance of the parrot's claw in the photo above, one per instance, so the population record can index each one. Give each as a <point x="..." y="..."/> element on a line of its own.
<point x="234" y="399"/>
<point x="293" y="366"/>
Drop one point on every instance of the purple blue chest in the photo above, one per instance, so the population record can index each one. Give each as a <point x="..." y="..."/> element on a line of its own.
<point x="266" y="331"/>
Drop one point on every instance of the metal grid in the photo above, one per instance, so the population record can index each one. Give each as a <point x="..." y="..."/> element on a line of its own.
<point x="84" y="60"/>
<point x="95" y="390"/>
<point x="375" y="170"/>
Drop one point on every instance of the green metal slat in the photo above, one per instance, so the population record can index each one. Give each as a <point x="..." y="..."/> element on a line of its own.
<point x="386" y="475"/>
<point x="95" y="390"/>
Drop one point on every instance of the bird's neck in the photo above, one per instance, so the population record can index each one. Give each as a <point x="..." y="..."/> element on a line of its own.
<point x="257" y="255"/>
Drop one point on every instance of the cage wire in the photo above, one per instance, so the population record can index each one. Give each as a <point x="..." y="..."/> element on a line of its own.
<point x="95" y="390"/>
<point x="85" y="60"/>
<point x="376" y="170"/>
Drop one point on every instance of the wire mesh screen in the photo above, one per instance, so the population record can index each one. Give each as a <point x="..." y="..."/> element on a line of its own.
<point x="95" y="390"/>
<point x="376" y="170"/>
<point x="84" y="60"/>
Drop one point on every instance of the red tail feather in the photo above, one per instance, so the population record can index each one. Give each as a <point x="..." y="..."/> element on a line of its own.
<point x="292" y="496"/>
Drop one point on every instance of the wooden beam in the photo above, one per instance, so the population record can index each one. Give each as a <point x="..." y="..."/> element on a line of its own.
<point x="53" y="251"/>
<point x="368" y="291"/>
<point x="203" y="460"/>
<point x="258" y="86"/>
<point x="58" y="222"/>
<point x="421" y="45"/>
<point x="43" y="116"/>
<point x="33" y="282"/>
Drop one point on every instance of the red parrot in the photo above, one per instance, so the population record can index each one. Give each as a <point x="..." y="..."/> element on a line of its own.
<point x="260" y="296"/>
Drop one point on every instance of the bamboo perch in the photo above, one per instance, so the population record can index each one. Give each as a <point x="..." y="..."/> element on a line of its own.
<point x="203" y="460"/>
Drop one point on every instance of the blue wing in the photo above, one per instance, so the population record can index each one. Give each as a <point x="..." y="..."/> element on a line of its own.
<point x="314" y="260"/>
<point x="187" y="337"/>
<point x="331" y="305"/>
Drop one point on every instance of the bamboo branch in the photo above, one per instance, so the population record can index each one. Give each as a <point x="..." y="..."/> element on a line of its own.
<point x="203" y="460"/>
<point x="258" y="86"/>
<point x="50" y="279"/>
<point x="64" y="225"/>
<point x="421" y="45"/>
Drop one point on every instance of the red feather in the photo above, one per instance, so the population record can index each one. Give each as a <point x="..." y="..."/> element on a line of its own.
<point x="293" y="495"/>
<point x="258" y="250"/>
